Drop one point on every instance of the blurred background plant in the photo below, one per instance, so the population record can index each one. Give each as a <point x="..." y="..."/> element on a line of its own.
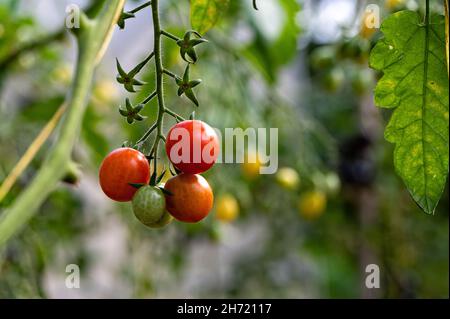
<point x="335" y="206"/>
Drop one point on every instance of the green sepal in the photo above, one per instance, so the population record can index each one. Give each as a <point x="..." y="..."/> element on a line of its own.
<point x="165" y="191"/>
<point x="191" y="96"/>
<point x="158" y="180"/>
<point x="124" y="16"/>
<point x="136" y="185"/>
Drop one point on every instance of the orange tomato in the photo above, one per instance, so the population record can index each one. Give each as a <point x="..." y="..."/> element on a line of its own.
<point x="191" y="197"/>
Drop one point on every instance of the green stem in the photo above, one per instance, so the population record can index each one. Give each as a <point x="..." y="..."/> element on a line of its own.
<point x="92" y="39"/>
<point x="15" y="54"/>
<point x="170" y="35"/>
<point x="171" y="74"/>
<point x="147" y="134"/>
<point x="175" y="115"/>
<point x="149" y="98"/>
<point x="159" y="81"/>
<point x="143" y="6"/>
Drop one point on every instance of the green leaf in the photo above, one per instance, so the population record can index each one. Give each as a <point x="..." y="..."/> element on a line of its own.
<point x="415" y="84"/>
<point x="206" y="13"/>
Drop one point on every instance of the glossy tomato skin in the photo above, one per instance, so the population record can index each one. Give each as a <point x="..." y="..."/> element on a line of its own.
<point x="192" y="146"/>
<point x="191" y="197"/>
<point x="121" y="167"/>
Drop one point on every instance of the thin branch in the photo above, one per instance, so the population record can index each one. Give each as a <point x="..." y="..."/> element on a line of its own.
<point x="170" y="35"/>
<point x="33" y="45"/>
<point x="139" y="67"/>
<point x="175" y="115"/>
<point x="171" y="74"/>
<point x="147" y="134"/>
<point x="145" y="5"/>
<point x="149" y="98"/>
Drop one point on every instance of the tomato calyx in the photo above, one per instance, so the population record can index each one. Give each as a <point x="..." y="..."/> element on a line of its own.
<point x="128" y="79"/>
<point x="124" y="16"/>
<point x="132" y="112"/>
<point x="137" y="185"/>
<point x="187" y="45"/>
<point x="185" y="86"/>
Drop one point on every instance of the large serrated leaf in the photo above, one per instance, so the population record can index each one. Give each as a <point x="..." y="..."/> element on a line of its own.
<point x="206" y="13"/>
<point x="415" y="83"/>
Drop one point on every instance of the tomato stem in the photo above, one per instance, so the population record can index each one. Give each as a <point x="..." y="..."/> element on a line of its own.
<point x="170" y="35"/>
<point x="145" y="5"/>
<point x="169" y="73"/>
<point x="159" y="70"/>
<point x="175" y="115"/>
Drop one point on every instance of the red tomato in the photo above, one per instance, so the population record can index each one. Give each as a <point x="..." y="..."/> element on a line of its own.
<point x="191" y="197"/>
<point x="121" y="167"/>
<point x="192" y="146"/>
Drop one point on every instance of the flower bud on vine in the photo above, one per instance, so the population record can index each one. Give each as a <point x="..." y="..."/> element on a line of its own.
<point x="124" y="16"/>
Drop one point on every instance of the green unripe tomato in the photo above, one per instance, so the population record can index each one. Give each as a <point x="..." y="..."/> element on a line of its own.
<point x="149" y="207"/>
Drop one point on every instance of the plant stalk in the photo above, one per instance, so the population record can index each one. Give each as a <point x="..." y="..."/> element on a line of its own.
<point x="92" y="40"/>
<point x="159" y="70"/>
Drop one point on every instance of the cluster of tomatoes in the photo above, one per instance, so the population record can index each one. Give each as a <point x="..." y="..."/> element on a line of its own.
<point x="125" y="175"/>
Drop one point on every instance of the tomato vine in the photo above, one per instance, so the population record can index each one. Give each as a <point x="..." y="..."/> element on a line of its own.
<point x="187" y="52"/>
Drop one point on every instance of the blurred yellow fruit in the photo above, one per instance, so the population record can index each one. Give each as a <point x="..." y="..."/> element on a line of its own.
<point x="227" y="208"/>
<point x="312" y="204"/>
<point x="332" y="183"/>
<point x="392" y="4"/>
<point x="367" y="25"/>
<point x="251" y="166"/>
<point x="105" y="92"/>
<point x="288" y="178"/>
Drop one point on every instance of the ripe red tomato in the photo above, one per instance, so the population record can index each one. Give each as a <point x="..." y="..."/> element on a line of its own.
<point x="192" y="146"/>
<point x="191" y="197"/>
<point x="121" y="167"/>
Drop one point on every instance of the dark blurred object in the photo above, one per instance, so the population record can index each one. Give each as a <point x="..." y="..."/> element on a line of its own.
<point x="356" y="164"/>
